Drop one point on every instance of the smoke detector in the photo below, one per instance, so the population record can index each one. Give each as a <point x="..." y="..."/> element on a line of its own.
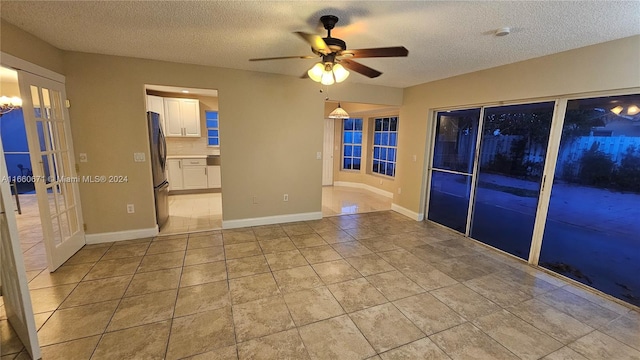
<point x="503" y="31"/>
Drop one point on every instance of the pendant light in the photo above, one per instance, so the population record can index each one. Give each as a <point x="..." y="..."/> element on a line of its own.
<point x="338" y="113"/>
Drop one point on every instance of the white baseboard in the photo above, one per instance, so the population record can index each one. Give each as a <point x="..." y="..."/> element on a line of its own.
<point x="268" y="220"/>
<point x="364" y="186"/>
<point x="121" y="235"/>
<point x="406" y="212"/>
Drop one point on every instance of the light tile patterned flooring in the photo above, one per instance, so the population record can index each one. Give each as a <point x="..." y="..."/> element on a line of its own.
<point x="366" y="286"/>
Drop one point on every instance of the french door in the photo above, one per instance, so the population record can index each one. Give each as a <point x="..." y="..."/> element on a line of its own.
<point x="327" y="153"/>
<point x="53" y="166"/>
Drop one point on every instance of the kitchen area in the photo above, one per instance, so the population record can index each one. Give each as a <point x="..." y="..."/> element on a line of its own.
<point x="187" y="146"/>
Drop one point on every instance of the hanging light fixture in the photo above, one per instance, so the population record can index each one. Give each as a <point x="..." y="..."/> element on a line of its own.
<point x="328" y="73"/>
<point x="338" y="113"/>
<point x="8" y="104"/>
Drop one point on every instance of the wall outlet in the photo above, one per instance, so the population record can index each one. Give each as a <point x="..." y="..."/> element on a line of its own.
<point x="83" y="157"/>
<point x="130" y="209"/>
<point x="255" y="199"/>
<point x="138" y="157"/>
<point x="318" y="155"/>
<point x="399" y="190"/>
<point x="285" y="197"/>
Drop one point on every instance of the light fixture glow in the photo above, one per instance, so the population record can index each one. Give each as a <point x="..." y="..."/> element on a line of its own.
<point x="328" y="73"/>
<point x="632" y="110"/>
<point x="617" y="110"/>
<point x="8" y="104"/>
<point x="340" y="73"/>
<point x="338" y="113"/>
<point x="315" y="73"/>
<point x="185" y="91"/>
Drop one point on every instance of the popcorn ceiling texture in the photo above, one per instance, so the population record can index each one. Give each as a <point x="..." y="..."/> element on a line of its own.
<point x="444" y="38"/>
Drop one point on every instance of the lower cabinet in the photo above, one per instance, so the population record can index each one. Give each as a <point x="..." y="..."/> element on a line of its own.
<point x="192" y="174"/>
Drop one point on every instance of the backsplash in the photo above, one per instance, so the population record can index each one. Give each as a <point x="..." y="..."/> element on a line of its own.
<point x="190" y="146"/>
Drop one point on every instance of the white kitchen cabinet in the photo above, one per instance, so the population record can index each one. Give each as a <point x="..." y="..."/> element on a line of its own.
<point x="213" y="177"/>
<point x="156" y="104"/>
<point x="182" y="117"/>
<point x="194" y="174"/>
<point x="174" y="174"/>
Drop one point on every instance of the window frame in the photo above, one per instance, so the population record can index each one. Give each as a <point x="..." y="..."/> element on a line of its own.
<point x="353" y="144"/>
<point x="378" y="158"/>
<point x="208" y="128"/>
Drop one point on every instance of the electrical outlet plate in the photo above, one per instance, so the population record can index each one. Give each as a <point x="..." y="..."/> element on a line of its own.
<point x="83" y="157"/>
<point x="285" y="197"/>
<point x="138" y="157"/>
<point x="130" y="209"/>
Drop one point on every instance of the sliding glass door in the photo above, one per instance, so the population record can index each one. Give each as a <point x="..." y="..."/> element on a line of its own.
<point x="451" y="175"/>
<point x="592" y="232"/>
<point x="513" y="148"/>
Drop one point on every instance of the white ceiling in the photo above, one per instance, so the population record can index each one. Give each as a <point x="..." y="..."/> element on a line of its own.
<point x="444" y="38"/>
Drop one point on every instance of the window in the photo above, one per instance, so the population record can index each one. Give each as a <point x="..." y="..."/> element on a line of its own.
<point x="385" y="145"/>
<point x="351" y="144"/>
<point x="213" y="133"/>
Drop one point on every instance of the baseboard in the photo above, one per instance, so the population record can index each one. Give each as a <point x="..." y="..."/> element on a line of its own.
<point x="121" y="235"/>
<point x="406" y="212"/>
<point x="268" y="220"/>
<point x="365" y="187"/>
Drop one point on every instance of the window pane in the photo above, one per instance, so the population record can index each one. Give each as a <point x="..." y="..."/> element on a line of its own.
<point x="348" y="150"/>
<point x="358" y="124"/>
<point x="378" y="125"/>
<point x="357" y="137"/>
<point x="356" y="164"/>
<point x="393" y="124"/>
<point x="376" y="152"/>
<point x="384" y="140"/>
<point x="455" y="142"/>
<point x="390" y="168"/>
<point x="449" y="199"/>
<point x="592" y="228"/>
<point x="357" y="151"/>
<point x="376" y="139"/>
<point x="347" y="163"/>
<point x="348" y="124"/>
<point x="376" y="166"/>
<point x="383" y="153"/>
<point x="210" y="115"/>
<point x="385" y="124"/>
<point x="348" y="137"/>
<point x="212" y="123"/>
<point x="391" y="154"/>
<point x="393" y="139"/>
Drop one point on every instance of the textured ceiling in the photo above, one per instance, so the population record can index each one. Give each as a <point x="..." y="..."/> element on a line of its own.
<point x="444" y="38"/>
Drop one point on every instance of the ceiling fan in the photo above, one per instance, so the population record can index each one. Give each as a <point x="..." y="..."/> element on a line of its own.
<point x="336" y="57"/>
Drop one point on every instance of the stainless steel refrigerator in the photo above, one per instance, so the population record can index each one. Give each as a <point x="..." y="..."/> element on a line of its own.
<point x="158" y="168"/>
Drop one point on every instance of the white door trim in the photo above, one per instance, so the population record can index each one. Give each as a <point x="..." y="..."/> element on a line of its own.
<point x="19" y="64"/>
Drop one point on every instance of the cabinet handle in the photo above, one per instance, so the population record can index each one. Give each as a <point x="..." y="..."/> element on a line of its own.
<point x="179" y="164"/>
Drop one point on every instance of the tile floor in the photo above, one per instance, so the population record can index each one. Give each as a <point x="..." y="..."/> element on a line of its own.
<point x="367" y="286"/>
<point x="202" y="212"/>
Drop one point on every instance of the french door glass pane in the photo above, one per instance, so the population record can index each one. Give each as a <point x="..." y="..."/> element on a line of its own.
<point x="593" y="222"/>
<point x="512" y="154"/>
<point x="449" y="199"/>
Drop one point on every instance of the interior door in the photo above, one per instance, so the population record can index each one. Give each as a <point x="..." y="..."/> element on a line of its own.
<point x="15" y="292"/>
<point x="327" y="153"/>
<point x="53" y="164"/>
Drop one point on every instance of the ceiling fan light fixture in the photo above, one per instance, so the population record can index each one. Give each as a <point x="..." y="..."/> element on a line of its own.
<point x="315" y="73"/>
<point x="340" y="73"/>
<point x="617" y="110"/>
<point x="338" y="113"/>
<point x="327" y="78"/>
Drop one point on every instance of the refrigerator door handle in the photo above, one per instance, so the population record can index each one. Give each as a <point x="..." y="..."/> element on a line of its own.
<point x="162" y="149"/>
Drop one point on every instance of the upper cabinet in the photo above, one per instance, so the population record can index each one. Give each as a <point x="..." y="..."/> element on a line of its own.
<point x="181" y="117"/>
<point x="156" y="104"/>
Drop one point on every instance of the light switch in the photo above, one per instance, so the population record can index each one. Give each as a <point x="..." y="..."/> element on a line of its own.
<point x="83" y="157"/>
<point x="318" y="155"/>
<point x="138" y="157"/>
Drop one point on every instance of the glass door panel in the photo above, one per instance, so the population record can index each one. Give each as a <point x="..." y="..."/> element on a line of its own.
<point x="452" y="168"/>
<point x="593" y="222"/>
<point x="512" y="155"/>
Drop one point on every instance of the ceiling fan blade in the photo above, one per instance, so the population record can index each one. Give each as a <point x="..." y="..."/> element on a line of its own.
<point x="395" y="51"/>
<point x="286" y="57"/>
<point x="359" y="68"/>
<point x="316" y="42"/>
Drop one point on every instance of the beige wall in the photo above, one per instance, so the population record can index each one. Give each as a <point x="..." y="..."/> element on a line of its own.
<point x="272" y="129"/>
<point x="27" y="47"/>
<point x="607" y="66"/>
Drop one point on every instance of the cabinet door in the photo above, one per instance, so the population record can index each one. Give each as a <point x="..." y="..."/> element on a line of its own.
<point x="213" y="177"/>
<point x="190" y="111"/>
<point x="195" y="177"/>
<point x="172" y="117"/>
<point x="174" y="169"/>
<point x="156" y="104"/>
